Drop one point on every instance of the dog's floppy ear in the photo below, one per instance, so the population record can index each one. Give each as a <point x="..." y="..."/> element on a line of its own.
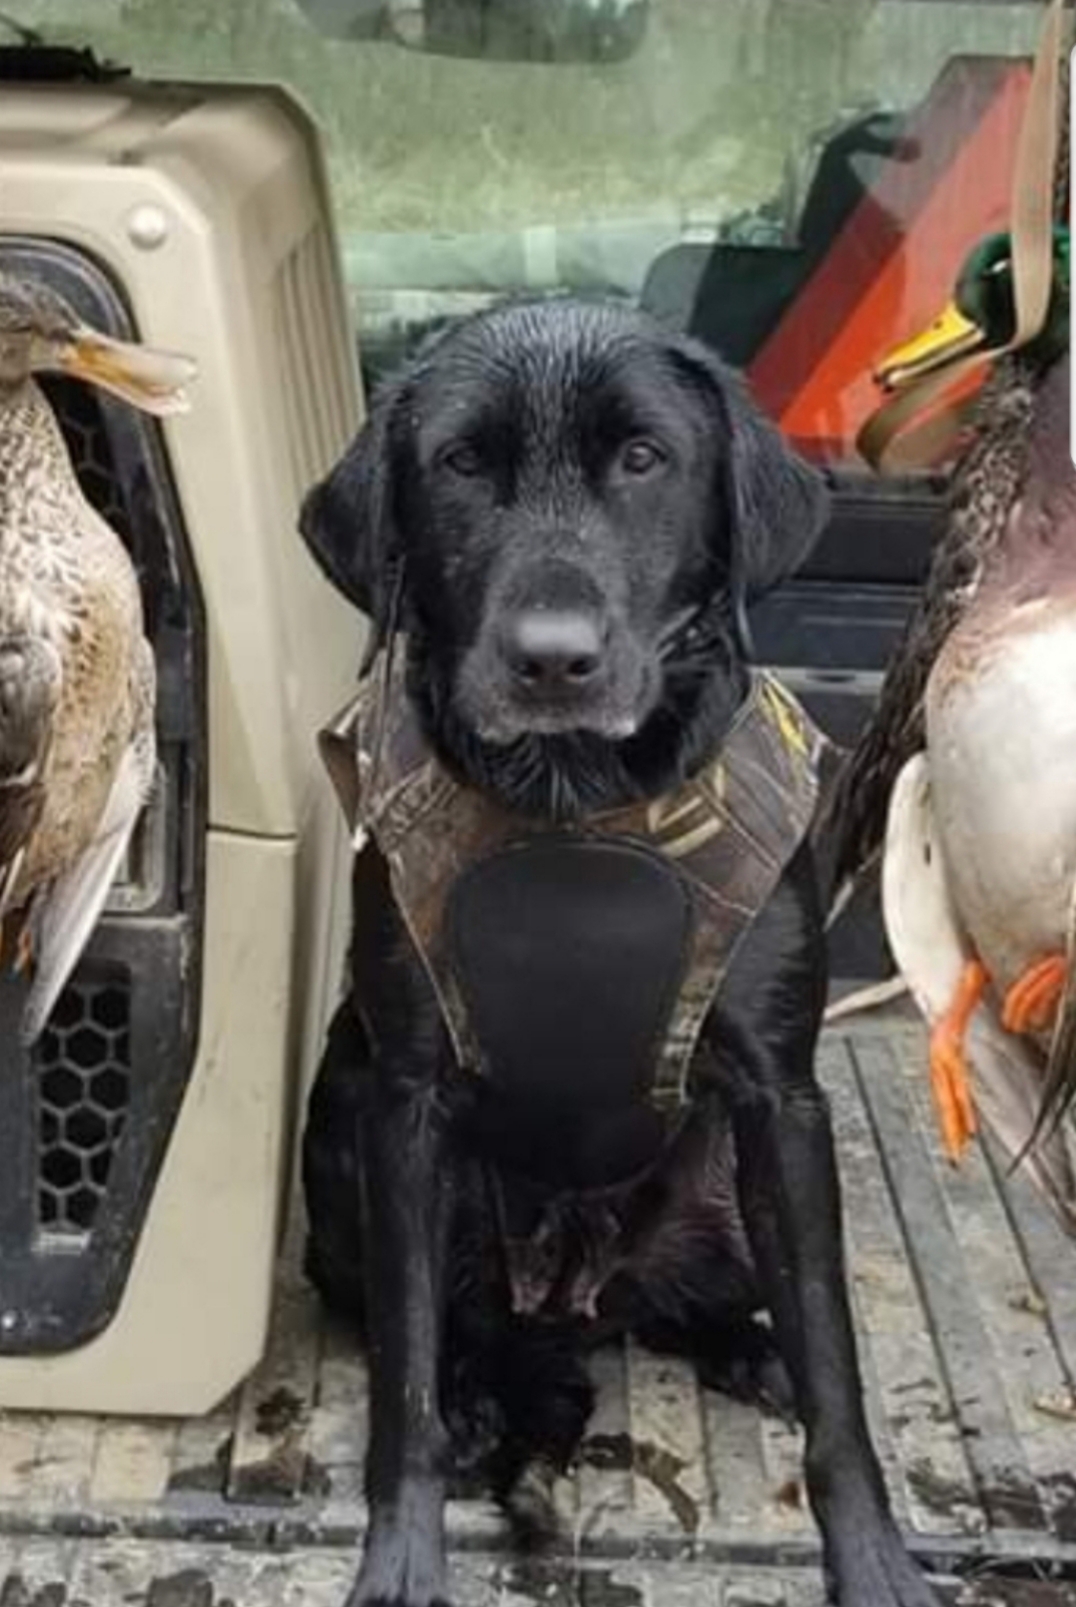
<point x="349" y="520"/>
<point x="777" y="503"/>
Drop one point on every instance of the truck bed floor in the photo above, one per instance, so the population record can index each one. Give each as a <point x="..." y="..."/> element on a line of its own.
<point x="965" y="1296"/>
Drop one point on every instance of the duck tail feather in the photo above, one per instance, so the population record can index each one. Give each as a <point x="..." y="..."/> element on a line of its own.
<point x="873" y="996"/>
<point x="1049" y="1168"/>
<point x="1059" y="1082"/>
<point x="1008" y="1075"/>
<point x="841" y="900"/>
<point x="9" y="876"/>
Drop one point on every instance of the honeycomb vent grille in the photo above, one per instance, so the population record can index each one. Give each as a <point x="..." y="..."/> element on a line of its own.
<point x="83" y="1065"/>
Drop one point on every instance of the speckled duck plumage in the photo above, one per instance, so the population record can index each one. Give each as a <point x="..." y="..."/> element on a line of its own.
<point x="77" y="675"/>
<point x="964" y="782"/>
<point x="984" y="485"/>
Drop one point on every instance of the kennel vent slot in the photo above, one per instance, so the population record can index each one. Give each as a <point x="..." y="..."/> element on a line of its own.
<point x="83" y="1073"/>
<point x="319" y="413"/>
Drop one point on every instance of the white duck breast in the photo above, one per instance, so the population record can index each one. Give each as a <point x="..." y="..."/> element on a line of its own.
<point x="931" y="949"/>
<point x="1001" y="736"/>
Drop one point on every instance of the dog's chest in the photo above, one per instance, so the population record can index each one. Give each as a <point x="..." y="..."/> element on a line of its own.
<point x="575" y="969"/>
<point x="569" y="954"/>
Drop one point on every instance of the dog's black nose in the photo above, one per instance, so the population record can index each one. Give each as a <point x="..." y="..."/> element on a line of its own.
<point x="553" y="650"/>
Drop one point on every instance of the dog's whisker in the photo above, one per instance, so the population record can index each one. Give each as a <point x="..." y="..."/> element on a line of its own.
<point x="679" y="623"/>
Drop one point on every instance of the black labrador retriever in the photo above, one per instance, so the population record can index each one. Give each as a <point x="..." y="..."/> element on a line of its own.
<point x="562" y="510"/>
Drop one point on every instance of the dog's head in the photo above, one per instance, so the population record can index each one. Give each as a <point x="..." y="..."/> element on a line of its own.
<point x="562" y="493"/>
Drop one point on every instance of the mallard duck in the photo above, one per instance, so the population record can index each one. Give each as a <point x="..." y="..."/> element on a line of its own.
<point x="984" y="487"/>
<point x="983" y="313"/>
<point x="967" y="773"/>
<point x="77" y="680"/>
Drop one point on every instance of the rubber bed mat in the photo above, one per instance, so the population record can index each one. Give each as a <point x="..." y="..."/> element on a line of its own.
<point x="965" y="1297"/>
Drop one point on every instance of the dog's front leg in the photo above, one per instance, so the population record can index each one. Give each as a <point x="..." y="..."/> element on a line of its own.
<point x="764" y="1040"/>
<point x="406" y="1206"/>
<point x="407" y="1200"/>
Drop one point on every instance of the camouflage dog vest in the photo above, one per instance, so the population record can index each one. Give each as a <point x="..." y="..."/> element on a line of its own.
<point x="582" y="957"/>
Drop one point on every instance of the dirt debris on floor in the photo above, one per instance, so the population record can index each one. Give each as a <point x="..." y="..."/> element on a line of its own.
<point x="965" y="1302"/>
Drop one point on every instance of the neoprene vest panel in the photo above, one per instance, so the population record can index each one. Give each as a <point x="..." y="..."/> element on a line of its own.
<point x="578" y="960"/>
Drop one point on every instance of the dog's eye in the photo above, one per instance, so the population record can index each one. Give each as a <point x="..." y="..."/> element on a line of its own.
<point x="464" y="460"/>
<point x="640" y="457"/>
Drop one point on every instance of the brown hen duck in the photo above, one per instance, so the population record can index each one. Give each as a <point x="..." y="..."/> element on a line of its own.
<point x="77" y="678"/>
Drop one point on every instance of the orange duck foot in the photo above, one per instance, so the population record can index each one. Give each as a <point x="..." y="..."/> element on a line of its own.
<point x="24" y="951"/>
<point x="949" y="1078"/>
<point x="16" y="946"/>
<point x="1031" y="1003"/>
<point x="23" y="958"/>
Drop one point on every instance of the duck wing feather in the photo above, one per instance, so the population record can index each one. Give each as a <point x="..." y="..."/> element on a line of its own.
<point x="64" y="913"/>
<point x="30" y="678"/>
<point x="984" y="487"/>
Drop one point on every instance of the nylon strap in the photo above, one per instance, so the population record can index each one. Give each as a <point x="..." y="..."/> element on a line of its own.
<point x="883" y="440"/>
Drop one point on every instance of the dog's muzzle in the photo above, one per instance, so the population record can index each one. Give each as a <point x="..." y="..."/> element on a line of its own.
<point x="553" y="653"/>
<point x="554" y="656"/>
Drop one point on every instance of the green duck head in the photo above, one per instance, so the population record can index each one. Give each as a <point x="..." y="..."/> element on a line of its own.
<point x="982" y="314"/>
<point x="40" y="332"/>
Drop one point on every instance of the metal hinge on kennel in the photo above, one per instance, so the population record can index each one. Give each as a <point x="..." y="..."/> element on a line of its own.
<point x="145" y="1143"/>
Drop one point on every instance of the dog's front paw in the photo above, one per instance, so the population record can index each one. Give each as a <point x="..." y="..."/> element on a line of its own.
<point x="359" y="1598"/>
<point x="403" y="1565"/>
<point x="869" y="1566"/>
<point x="748" y="1366"/>
<point x="371" y="1594"/>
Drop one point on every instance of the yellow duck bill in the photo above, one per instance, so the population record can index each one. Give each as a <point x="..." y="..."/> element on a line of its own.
<point x="950" y="336"/>
<point x="153" y="381"/>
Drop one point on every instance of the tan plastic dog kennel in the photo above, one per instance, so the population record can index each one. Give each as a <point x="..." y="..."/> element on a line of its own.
<point x="145" y="1143"/>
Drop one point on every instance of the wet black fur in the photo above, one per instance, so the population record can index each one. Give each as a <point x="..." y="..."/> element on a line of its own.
<point x="494" y="466"/>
